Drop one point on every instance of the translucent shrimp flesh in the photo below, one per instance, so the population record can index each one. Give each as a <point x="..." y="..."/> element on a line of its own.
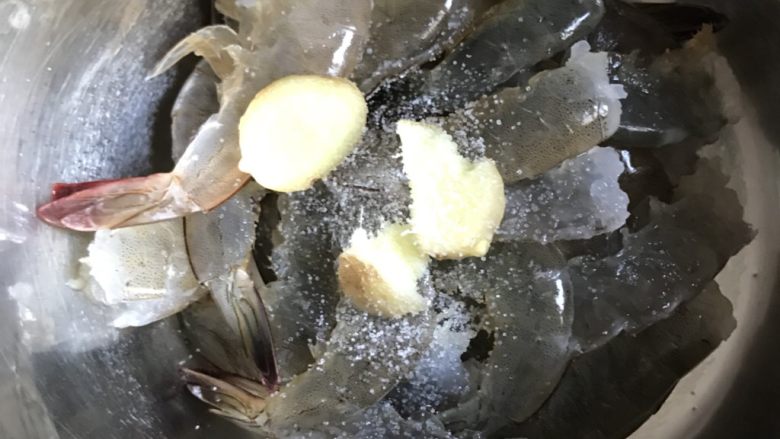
<point x="440" y="378"/>
<point x="672" y="100"/>
<point x="560" y="114"/>
<point x="510" y="38"/>
<point x="369" y="188"/>
<point x="668" y="261"/>
<point x="652" y="28"/>
<point x="579" y="199"/>
<point x="407" y="33"/>
<point x="621" y="384"/>
<point x="196" y="102"/>
<point x="502" y="49"/>
<point x="586" y="274"/>
<point x="305" y="260"/>
<point x="529" y="310"/>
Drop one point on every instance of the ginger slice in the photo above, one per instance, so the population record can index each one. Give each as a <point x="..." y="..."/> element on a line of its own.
<point x="457" y="204"/>
<point x="298" y="129"/>
<point x="379" y="274"/>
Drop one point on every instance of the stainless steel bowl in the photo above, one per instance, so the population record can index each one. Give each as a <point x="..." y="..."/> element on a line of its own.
<point x="74" y="105"/>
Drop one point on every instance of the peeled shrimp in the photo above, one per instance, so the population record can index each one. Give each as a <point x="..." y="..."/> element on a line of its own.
<point x="306" y="36"/>
<point x="305" y="260"/>
<point x="440" y="377"/>
<point x="620" y="385"/>
<point x="579" y="199"/>
<point x="651" y="28"/>
<point x="511" y="37"/>
<point x="275" y="39"/>
<point x="529" y="309"/>
<point x="369" y="187"/>
<point x="675" y="99"/>
<point x="665" y="263"/>
<point x="560" y="114"/>
<point x="406" y="33"/>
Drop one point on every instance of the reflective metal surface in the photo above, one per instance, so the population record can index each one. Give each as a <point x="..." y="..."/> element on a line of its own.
<point x="74" y="106"/>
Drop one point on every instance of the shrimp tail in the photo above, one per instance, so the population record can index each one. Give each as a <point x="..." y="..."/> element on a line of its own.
<point x="108" y="204"/>
<point x="62" y="190"/>
<point x="229" y="395"/>
<point x="242" y="306"/>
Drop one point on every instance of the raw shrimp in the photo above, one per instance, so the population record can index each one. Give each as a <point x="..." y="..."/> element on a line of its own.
<point x="658" y="267"/>
<point x="621" y="384"/>
<point x="275" y="39"/>
<point x="205" y="176"/>
<point x="220" y="241"/>
<point x="196" y="102"/>
<point x="651" y="28"/>
<point x="560" y="114"/>
<point x="365" y="357"/>
<point x="507" y="42"/>
<point x="232" y="336"/>
<point x="405" y="33"/>
<point x="361" y="360"/>
<point x="303" y="37"/>
<point x="305" y="260"/>
<point x="440" y="377"/>
<point x="142" y="274"/>
<point x="672" y="100"/>
<point x="529" y="310"/>
<point x="579" y="199"/>
<point x="369" y="187"/>
<point x="233" y="326"/>
<point x="665" y="263"/>
<point x="511" y="37"/>
<point x="383" y="421"/>
<point x="219" y="244"/>
<point x="145" y="273"/>
<point x="366" y="190"/>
